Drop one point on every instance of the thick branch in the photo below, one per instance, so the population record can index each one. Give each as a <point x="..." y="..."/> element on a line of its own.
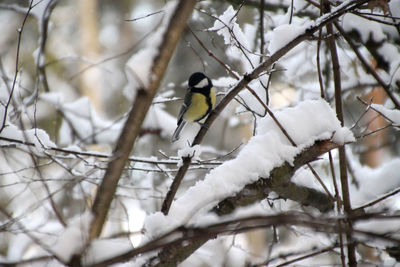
<point x="182" y="236"/>
<point x="279" y="182"/>
<point x="136" y="116"/>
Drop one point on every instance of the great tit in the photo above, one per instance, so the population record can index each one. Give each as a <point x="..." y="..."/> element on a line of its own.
<point x="199" y="101"/>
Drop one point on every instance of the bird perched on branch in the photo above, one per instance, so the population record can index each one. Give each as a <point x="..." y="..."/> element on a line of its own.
<point x="199" y="101"/>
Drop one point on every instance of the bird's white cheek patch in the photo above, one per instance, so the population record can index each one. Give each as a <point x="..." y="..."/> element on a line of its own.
<point x="202" y="83"/>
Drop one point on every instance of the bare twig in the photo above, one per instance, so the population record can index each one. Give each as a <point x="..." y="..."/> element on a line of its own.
<point x="312" y="254"/>
<point x="20" y="30"/>
<point x="372" y="203"/>
<point x="145" y="16"/>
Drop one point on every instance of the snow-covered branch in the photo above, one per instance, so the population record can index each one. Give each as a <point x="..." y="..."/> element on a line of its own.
<point x="184" y="239"/>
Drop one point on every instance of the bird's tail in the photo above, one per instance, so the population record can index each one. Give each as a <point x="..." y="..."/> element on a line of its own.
<point x="178" y="130"/>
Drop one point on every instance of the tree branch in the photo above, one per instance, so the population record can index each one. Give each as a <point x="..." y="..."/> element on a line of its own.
<point x="279" y="182"/>
<point x="351" y="247"/>
<point x="14" y="82"/>
<point x="136" y="116"/>
<point x="182" y="236"/>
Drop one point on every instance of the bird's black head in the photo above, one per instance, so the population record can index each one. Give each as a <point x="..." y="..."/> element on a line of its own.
<point x="199" y="80"/>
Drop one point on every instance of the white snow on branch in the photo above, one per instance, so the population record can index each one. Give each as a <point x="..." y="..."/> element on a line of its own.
<point x="139" y="66"/>
<point x="238" y="41"/>
<point x="391" y="114"/>
<point x="38" y="137"/>
<point x="227" y="27"/>
<point x="306" y="123"/>
<point x="284" y="34"/>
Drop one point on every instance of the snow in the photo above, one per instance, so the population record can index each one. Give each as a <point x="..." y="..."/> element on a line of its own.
<point x="102" y="249"/>
<point x="3" y="120"/>
<point x="343" y="135"/>
<point x="237" y="40"/>
<point x="39" y="8"/>
<point x="390" y="53"/>
<point x="391" y="114"/>
<point x="193" y="152"/>
<point x="365" y="28"/>
<point x="376" y="32"/>
<point x="85" y="121"/>
<point x="74" y="237"/>
<point x="284" y="34"/>
<point x="139" y="66"/>
<point x="158" y="118"/>
<point x="375" y="181"/>
<point x="306" y="123"/>
<point x="227" y="23"/>
<point x="380" y="226"/>
<point x="36" y="136"/>
<point x="395" y="8"/>
<point x="224" y="82"/>
<point x="54" y="98"/>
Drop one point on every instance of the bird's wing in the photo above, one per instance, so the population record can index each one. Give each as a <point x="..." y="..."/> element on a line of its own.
<point x="185" y="105"/>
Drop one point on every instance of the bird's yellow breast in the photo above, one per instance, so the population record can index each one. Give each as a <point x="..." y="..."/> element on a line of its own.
<point x="197" y="109"/>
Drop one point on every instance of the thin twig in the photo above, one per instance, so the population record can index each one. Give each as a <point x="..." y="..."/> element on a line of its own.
<point x="20" y="30"/>
<point x="312" y="254"/>
<point x="145" y="16"/>
<point x="372" y="203"/>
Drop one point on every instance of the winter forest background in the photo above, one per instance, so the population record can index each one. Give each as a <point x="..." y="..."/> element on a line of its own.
<point x="298" y="165"/>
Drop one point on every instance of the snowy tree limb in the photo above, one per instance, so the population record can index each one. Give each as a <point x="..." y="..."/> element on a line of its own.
<point x="279" y="182"/>
<point x="188" y="238"/>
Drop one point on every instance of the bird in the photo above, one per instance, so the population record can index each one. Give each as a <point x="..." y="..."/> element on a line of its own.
<point x="199" y="101"/>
